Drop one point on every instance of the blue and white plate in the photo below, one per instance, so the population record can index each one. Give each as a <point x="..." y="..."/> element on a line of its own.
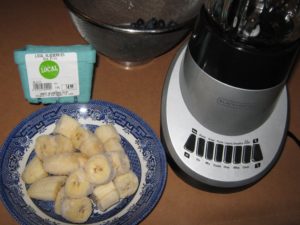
<point x="147" y="158"/>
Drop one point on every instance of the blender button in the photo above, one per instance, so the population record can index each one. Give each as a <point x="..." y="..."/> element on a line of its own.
<point x="200" y="147"/>
<point x="219" y="152"/>
<point x="257" y="153"/>
<point x="210" y="150"/>
<point x="187" y="155"/>
<point x="190" y="143"/>
<point x="228" y="153"/>
<point x="247" y="154"/>
<point x="237" y="154"/>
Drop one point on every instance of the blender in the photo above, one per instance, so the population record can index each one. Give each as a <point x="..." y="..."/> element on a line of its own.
<point x="225" y="103"/>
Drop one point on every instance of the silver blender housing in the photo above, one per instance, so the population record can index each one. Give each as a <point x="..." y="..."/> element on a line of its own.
<point x="223" y="108"/>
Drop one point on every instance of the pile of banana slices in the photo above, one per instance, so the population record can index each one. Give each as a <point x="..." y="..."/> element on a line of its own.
<point x="75" y="168"/>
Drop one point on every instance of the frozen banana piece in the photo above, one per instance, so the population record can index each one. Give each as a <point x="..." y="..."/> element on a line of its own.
<point x="66" y="126"/>
<point x="73" y="164"/>
<point x="106" y="132"/>
<point x="126" y="184"/>
<point x="120" y="162"/>
<point x="34" y="171"/>
<point x="106" y="196"/>
<point x="46" y="188"/>
<point x="99" y="169"/>
<point x="45" y="146"/>
<point x="79" y="136"/>
<point x="91" y="146"/>
<point x="76" y="210"/>
<point x="113" y="145"/>
<point x="49" y="145"/>
<point x="58" y="201"/>
<point x="77" y="185"/>
<point x="82" y="159"/>
<point x="62" y="164"/>
<point x="64" y="144"/>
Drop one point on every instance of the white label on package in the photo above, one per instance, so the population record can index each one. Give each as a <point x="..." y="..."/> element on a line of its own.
<point x="52" y="74"/>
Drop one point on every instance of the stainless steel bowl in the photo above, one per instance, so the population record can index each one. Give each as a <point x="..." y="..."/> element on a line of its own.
<point x="106" y="25"/>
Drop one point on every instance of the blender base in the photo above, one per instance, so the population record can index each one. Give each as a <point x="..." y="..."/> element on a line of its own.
<point x="204" y="158"/>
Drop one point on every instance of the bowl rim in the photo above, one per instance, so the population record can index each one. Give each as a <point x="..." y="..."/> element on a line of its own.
<point x="187" y="24"/>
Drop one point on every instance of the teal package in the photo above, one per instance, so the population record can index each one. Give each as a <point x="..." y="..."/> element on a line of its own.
<point x="51" y="63"/>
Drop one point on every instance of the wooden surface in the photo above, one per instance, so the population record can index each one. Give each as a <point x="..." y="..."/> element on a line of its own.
<point x="275" y="200"/>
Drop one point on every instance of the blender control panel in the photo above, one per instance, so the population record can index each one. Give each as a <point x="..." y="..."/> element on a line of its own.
<point x="228" y="154"/>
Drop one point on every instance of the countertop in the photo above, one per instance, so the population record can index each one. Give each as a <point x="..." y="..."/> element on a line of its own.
<point x="275" y="200"/>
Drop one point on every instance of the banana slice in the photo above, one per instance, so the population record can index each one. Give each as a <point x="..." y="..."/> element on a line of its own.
<point x="45" y="146"/>
<point x="126" y="184"/>
<point x="120" y="162"/>
<point x="76" y="210"/>
<point x="58" y="201"/>
<point x="82" y="159"/>
<point x="46" y="188"/>
<point x="99" y="169"/>
<point x="66" y="126"/>
<point x="64" y="144"/>
<point x="77" y="185"/>
<point x="34" y="171"/>
<point x="106" y="196"/>
<point x="62" y="164"/>
<point x="106" y="132"/>
<point x="113" y="145"/>
<point x="79" y="136"/>
<point x="92" y="146"/>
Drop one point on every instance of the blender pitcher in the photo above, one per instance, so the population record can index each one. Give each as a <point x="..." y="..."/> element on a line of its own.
<point x="239" y="58"/>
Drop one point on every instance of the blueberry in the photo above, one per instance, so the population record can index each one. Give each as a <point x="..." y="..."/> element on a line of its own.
<point x="140" y="22"/>
<point x="133" y="25"/>
<point x="152" y="23"/>
<point x="172" y="23"/>
<point x="161" y="24"/>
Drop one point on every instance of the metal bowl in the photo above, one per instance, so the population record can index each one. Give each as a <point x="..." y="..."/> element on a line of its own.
<point x="109" y="26"/>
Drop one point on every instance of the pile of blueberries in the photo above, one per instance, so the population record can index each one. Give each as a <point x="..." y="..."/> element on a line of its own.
<point x="151" y="24"/>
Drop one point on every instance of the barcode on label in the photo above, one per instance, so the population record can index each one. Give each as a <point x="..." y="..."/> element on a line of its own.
<point x="37" y="86"/>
